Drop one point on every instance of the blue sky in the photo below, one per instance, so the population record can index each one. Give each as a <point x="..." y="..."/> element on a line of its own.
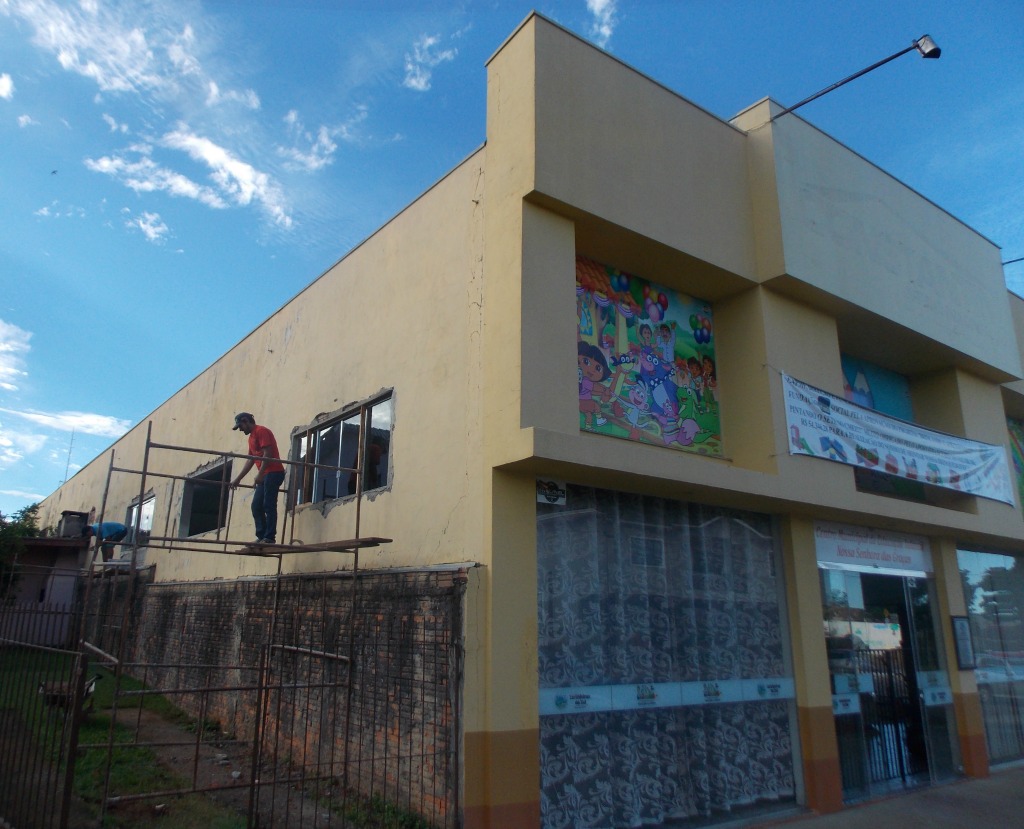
<point x="175" y="171"/>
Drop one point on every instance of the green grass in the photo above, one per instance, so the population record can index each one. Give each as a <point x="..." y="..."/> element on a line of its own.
<point x="133" y="770"/>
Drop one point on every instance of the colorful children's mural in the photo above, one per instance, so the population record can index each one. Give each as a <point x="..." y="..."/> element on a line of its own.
<point x="646" y="359"/>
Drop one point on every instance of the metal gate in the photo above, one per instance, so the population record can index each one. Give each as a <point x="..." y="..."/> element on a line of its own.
<point x="892" y="718"/>
<point x="43" y="691"/>
<point x="883" y="742"/>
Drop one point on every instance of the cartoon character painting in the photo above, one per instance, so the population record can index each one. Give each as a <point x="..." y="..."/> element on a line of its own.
<point x="643" y="374"/>
<point x="637" y="408"/>
<point x="593" y="370"/>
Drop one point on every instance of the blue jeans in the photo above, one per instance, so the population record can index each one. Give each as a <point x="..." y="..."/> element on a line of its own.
<point x="107" y="548"/>
<point x="264" y="504"/>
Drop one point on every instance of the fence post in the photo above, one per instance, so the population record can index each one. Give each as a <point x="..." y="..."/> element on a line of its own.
<point x="78" y="698"/>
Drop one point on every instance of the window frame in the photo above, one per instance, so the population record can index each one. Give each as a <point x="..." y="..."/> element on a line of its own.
<point x="145" y="521"/>
<point x="312" y="483"/>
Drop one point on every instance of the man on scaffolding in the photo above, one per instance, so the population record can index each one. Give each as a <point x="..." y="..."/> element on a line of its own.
<point x="107" y="534"/>
<point x="269" y="476"/>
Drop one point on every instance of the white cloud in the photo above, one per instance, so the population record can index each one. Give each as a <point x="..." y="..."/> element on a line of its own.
<point x="55" y="210"/>
<point x="19" y="493"/>
<point x="318" y="148"/>
<point x="151" y="225"/>
<point x="247" y="98"/>
<point x="181" y="52"/>
<point x="167" y="56"/>
<point x="27" y="121"/>
<point x="424" y="58"/>
<point x="603" y="25"/>
<point x="114" y="125"/>
<point x="320" y="153"/>
<point x="146" y="176"/>
<point x="6" y="87"/>
<point x="347" y="131"/>
<point x="130" y="48"/>
<point x="15" y="445"/>
<point x="84" y="422"/>
<point x="94" y="42"/>
<point x="14" y="345"/>
<point x="237" y="179"/>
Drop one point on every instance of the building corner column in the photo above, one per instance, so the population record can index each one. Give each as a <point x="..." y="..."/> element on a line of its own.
<point x="819" y="750"/>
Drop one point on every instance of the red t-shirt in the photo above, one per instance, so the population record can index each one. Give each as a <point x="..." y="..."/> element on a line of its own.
<point x="261" y="438"/>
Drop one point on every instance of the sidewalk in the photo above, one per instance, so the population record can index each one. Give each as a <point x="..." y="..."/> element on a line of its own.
<point x="996" y="801"/>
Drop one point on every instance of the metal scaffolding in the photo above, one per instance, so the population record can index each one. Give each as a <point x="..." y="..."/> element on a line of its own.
<point x="300" y="761"/>
<point x="263" y="682"/>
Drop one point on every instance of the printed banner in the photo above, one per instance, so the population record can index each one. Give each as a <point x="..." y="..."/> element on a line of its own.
<point x="825" y="426"/>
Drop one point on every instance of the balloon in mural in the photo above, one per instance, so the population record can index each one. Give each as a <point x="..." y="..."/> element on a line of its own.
<point x="701" y="327"/>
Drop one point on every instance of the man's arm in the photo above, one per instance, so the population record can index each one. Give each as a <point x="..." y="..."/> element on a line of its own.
<point x="245" y="471"/>
<point x="260" y="473"/>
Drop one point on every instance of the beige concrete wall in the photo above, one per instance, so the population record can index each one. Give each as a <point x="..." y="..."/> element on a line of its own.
<point x="1017" y="387"/>
<point x="401" y="312"/>
<point x="615" y="144"/>
<point x="850" y="229"/>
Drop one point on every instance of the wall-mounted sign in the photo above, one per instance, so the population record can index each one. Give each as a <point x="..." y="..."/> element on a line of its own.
<point x="843" y="704"/>
<point x="965" y="660"/>
<point x="646" y="361"/>
<point x="551" y="492"/>
<point x="864" y="550"/>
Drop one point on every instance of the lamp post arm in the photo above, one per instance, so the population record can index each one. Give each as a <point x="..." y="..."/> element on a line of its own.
<point x="852" y="77"/>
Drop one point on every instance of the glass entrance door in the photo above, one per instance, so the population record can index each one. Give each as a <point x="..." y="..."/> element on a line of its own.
<point x="891" y="696"/>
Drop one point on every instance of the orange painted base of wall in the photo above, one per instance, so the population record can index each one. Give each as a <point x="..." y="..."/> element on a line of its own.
<point x="502" y="780"/>
<point x="970" y="722"/>
<point x="823" y="779"/>
<point x="509" y="816"/>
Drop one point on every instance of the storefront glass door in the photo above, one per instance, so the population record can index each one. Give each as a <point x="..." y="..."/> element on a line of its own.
<point x="891" y="697"/>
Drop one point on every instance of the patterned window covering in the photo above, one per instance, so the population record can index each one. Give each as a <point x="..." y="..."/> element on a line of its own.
<point x="645" y="590"/>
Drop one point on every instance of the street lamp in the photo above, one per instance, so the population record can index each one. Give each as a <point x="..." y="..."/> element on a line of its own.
<point x="924" y="44"/>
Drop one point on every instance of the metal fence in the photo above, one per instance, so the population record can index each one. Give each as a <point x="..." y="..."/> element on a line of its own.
<point x="341" y="712"/>
<point x="43" y="689"/>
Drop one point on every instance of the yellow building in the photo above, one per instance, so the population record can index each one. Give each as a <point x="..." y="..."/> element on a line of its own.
<point x="723" y="576"/>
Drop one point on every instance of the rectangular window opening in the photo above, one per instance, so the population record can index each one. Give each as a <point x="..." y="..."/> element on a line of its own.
<point x="332" y="452"/>
<point x="205" y="501"/>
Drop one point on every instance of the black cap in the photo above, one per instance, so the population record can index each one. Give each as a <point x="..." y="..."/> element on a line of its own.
<point x="242" y="416"/>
